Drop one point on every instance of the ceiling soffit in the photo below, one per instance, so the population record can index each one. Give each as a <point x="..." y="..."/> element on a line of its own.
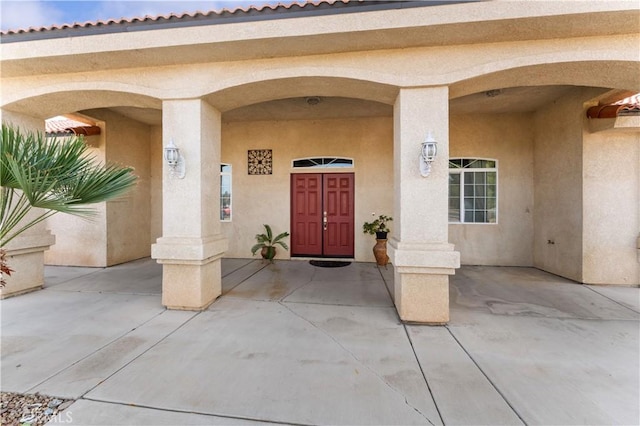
<point x="298" y="87"/>
<point x="308" y="107"/>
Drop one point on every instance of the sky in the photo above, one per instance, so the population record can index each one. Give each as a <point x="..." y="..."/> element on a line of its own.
<point x="22" y="14"/>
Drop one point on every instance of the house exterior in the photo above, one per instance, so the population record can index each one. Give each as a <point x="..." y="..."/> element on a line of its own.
<point x="311" y="117"/>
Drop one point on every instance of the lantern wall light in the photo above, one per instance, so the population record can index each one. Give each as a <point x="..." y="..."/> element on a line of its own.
<point x="428" y="154"/>
<point x="174" y="160"/>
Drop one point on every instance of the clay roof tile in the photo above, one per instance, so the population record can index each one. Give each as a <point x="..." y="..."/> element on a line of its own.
<point x="239" y="10"/>
<point x="60" y="126"/>
<point x="623" y="107"/>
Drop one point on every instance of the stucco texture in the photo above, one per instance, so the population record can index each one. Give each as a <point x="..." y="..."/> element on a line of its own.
<point x="121" y="230"/>
<point x="611" y="209"/>
<point x="508" y="139"/>
<point x="568" y="199"/>
<point x="260" y="199"/>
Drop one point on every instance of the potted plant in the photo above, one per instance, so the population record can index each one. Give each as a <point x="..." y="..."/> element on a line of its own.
<point x="380" y="229"/>
<point x="266" y="243"/>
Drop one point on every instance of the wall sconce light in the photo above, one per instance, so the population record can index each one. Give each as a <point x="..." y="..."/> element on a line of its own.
<point x="427" y="155"/>
<point x="175" y="160"/>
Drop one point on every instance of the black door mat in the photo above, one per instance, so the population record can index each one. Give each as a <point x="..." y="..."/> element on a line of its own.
<point x="329" y="263"/>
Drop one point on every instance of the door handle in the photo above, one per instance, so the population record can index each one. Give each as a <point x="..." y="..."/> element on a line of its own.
<point x="324" y="221"/>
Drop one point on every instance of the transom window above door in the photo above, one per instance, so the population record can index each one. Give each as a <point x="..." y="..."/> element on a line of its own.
<point x="473" y="190"/>
<point x="322" y="162"/>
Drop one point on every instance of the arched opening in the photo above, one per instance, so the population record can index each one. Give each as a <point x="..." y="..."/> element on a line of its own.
<point x="126" y="129"/>
<point x="305" y="117"/>
<point x="533" y="121"/>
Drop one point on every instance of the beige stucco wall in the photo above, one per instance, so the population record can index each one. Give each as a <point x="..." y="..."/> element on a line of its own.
<point x="128" y="217"/>
<point x="465" y="48"/>
<point x="22" y="121"/>
<point x="155" y="168"/>
<point x="611" y="210"/>
<point x="507" y="138"/>
<point x="121" y="231"/>
<point x="487" y="21"/>
<point x="558" y="187"/>
<point x="587" y="195"/>
<point x="266" y="199"/>
<point x="373" y="74"/>
<point x="81" y="241"/>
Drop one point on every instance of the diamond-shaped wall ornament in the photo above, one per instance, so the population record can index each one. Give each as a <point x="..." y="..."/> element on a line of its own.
<point x="260" y="162"/>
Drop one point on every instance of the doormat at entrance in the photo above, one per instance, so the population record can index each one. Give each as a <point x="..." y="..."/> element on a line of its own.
<point x="329" y="263"/>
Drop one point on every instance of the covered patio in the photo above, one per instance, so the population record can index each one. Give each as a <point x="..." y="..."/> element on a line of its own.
<point x="296" y="344"/>
<point x="522" y="175"/>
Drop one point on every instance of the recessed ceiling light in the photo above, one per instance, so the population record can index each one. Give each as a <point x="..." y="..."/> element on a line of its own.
<point x="313" y="100"/>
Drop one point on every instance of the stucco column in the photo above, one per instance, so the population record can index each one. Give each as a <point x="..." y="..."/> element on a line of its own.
<point x="191" y="245"/>
<point x="422" y="257"/>
<point x="25" y="253"/>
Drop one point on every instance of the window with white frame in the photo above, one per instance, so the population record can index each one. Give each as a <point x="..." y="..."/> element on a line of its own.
<point x="322" y="162"/>
<point x="473" y="190"/>
<point x="225" y="192"/>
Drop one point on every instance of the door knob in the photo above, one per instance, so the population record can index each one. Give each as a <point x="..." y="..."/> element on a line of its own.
<point x="324" y="221"/>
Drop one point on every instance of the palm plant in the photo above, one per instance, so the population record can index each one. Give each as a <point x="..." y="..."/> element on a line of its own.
<point x="267" y="243"/>
<point x="55" y="176"/>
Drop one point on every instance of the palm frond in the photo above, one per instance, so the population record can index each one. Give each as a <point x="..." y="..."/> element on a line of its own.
<point x="277" y="239"/>
<point x="269" y="233"/>
<point x="256" y="247"/>
<point x="56" y="175"/>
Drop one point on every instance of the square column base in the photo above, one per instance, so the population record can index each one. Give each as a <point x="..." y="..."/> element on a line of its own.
<point x="191" y="271"/>
<point x="421" y="280"/>
<point x="191" y="287"/>
<point x="422" y="298"/>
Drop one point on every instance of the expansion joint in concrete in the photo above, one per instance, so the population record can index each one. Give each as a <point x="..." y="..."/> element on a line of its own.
<point x="424" y="376"/>
<point x="366" y="367"/>
<point x="223" y="416"/>
<point x="613" y="300"/>
<point x="92" y="354"/>
<point x="143" y="352"/>
<point x="506" y="400"/>
<point x="313" y="274"/>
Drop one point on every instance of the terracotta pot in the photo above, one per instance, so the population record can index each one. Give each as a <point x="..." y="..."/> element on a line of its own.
<point x="268" y="253"/>
<point x="380" y="252"/>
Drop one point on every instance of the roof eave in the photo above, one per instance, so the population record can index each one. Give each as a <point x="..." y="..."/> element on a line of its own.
<point x="238" y="15"/>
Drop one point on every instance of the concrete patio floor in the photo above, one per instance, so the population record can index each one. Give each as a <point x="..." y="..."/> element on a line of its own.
<point x="291" y="343"/>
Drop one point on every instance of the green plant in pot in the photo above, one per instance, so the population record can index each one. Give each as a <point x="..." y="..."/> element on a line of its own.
<point x="266" y="243"/>
<point x="378" y="227"/>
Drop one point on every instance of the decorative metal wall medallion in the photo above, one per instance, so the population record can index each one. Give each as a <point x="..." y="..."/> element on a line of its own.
<point x="260" y="162"/>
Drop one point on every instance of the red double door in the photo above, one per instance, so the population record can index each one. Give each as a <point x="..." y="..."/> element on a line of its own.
<point x="322" y="214"/>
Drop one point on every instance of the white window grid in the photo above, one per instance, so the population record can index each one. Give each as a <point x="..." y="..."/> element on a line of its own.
<point x="473" y="191"/>
<point x="322" y="162"/>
